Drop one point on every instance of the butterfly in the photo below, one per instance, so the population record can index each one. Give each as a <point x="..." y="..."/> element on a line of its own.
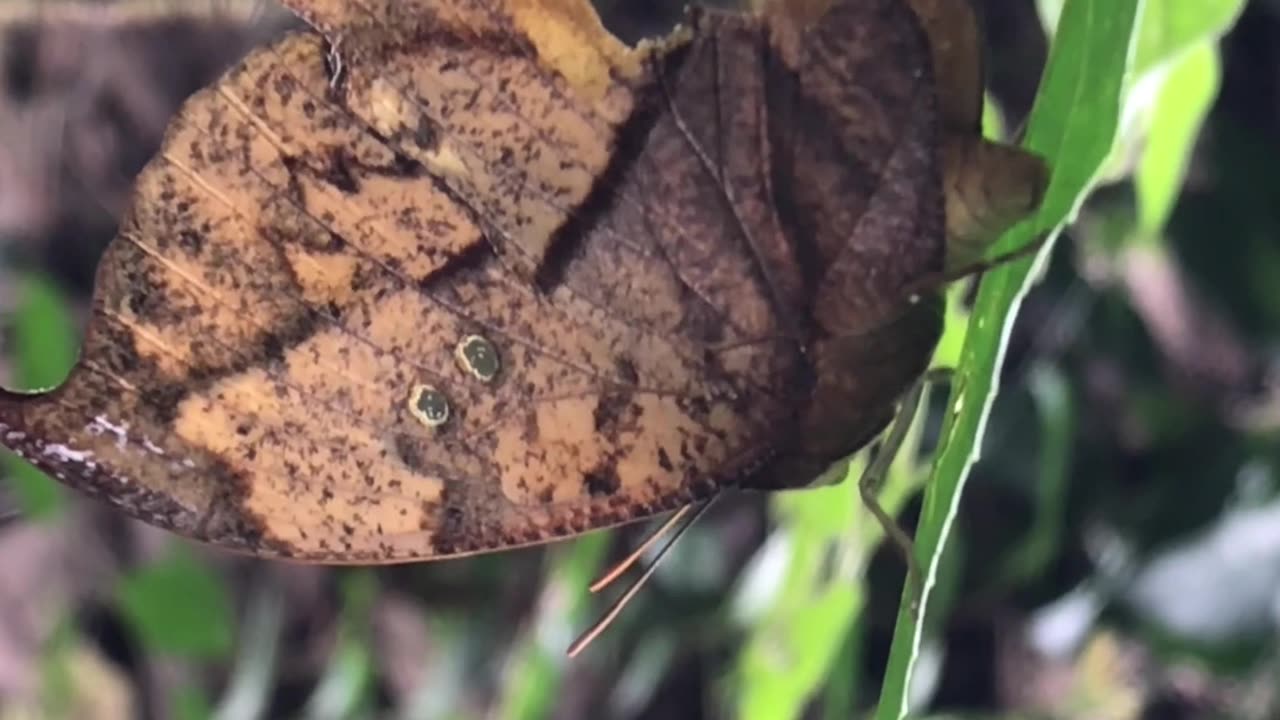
<point x="436" y="278"/>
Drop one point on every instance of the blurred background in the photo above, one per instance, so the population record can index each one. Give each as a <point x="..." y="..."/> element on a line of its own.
<point x="1117" y="554"/>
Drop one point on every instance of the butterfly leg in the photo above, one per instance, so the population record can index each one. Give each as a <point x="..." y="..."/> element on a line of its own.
<point x="872" y="480"/>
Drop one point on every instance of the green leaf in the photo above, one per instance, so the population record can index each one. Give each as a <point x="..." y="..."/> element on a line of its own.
<point x="840" y="698"/>
<point x="809" y="571"/>
<point x="1176" y="116"/>
<point x="345" y="687"/>
<point x="1168" y="28"/>
<point x="178" y="606"/>
<point x="536" y="665"/>
<point x="1170" y="31"/>
<point x="57" y="686"/>
<point x="44" y="335"/>
<point x="1073" y="126"/>
<point x="44" y="339"/>
<point x="190" y="703"/>
<point x="1172" y="28"/>
<point x="1055" y="405"/>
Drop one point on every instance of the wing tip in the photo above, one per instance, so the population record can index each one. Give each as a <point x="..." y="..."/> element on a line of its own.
<point x="16" y="414"/>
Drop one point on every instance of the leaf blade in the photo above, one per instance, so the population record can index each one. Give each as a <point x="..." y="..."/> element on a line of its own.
<point x="1180" y="109"/>
<point x="1073" y="125"/>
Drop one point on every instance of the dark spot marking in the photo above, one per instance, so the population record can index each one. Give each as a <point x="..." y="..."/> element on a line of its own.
<point x="610" y="408"/>
<point x="427" y="134"/>
<point x="472" y="257"/>
<point x="452" y="522"/>
<point x="272" y="347"/>
<point x="285" y="87"/>
<point x="365" y="277"/>
<point x="191" y="241"/>
<point x="429" y="405"/>
<point x="626" y="370"/>
<point x="409" y="450"/>
<point x="664" y="460"/>
<point x="602" y="481"/>
<point x="479" y="357"/>
<point x="293" y="166"/>
<point x="531" y="432"/>
<point x="339" y="174"/>
<point x="164" y="399"/>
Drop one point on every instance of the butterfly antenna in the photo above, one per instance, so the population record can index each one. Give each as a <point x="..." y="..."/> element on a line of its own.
<point x="636" y="554"/>
<point x="616" y="607"/>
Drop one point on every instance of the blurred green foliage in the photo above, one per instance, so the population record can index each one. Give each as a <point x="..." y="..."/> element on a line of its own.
<point x="44" y="340"/>
<point x="178" y="605"/>
<point x="536" y="665"/>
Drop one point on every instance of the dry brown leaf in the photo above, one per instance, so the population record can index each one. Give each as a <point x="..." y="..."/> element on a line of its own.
<point x="453" y="276"/>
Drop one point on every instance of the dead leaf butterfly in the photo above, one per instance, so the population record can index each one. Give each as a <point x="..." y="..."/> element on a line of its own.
<point x="444" y="277"/>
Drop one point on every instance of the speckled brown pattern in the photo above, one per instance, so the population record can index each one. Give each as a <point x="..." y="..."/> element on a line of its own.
<point x="692" y="260"/>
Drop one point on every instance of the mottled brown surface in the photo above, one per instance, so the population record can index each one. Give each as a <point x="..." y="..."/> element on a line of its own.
<point x="692" y="259"/>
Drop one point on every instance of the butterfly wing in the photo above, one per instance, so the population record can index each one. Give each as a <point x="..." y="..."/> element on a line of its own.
<point x="306" y="255"/>
<point x="281" y="358"/>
